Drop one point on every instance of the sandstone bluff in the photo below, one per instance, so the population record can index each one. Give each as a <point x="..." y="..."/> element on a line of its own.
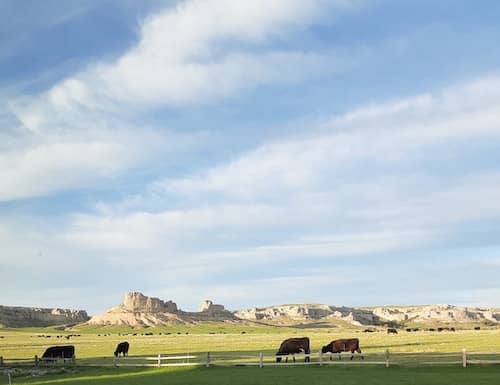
<point x="140" y="310"/>
<point x="17" y="316"/>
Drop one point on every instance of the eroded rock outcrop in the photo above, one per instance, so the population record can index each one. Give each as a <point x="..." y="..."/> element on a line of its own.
<point x="373" y="316"/>
<point x="138" y="310"/>
<point x="438" y="313"/>
<point x="137" y="302"/>
<point x="18" y="316"/>
<point x="305" y="312"/>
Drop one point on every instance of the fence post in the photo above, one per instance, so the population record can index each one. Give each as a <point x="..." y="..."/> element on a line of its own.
<point x="321" y="358"/>
<point x="208" y="359"/>
<point x="159" y="360"/>
<point x="386" y="358"/>
<point x="261" y="360"/>
<point x="115" y="361"/>
<point x="464" y="358"/>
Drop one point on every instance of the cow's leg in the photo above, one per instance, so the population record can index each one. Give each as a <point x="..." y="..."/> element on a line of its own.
<point x="352" y="354"/>
<point x="293" y="356"/>
<point x="340" y="357"/>
<point x="331" y="357"/>
<point x="286" y="359"/>
<point x="359" y="352"/>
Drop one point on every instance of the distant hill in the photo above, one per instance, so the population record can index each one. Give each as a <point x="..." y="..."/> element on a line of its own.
<point x="138" y="310"/>
<point x="372" y="316"/>
<point x="17" y="316"/>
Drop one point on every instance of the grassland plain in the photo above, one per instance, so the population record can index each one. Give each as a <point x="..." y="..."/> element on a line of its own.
<point x="219" y="337"/>
<point x="222" y="338"/>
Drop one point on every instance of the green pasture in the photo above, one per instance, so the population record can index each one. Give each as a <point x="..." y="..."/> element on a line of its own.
<point x="282" y="375"/>
<point x="24" y="343"/>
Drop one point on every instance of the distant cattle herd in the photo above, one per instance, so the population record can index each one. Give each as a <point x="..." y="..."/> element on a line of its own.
<point x="288" y="347"/>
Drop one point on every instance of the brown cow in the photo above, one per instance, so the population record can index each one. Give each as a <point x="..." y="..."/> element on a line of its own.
<point x="343" y="345"/>
<point x="293" y="346"/>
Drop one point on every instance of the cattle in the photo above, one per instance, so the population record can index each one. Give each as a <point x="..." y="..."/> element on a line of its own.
<point x="368" y="331"/>
<point x="343" y="345"/>
<point x="122" y="347"/>
<point x="54" y="352"/>
<point x="392" y="331"/>
<point x="293" y="346"/>
<point x="477" y="328"/>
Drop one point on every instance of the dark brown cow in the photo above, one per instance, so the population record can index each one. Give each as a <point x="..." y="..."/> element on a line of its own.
<point x="293" y="346"/>
<point x="343" y="345"/>
<point x="55" y="352"/>
<point x="122" y="348"/>
<point x="392" y="331"/>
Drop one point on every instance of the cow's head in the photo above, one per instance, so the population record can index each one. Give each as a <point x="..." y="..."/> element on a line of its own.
<point x="278" y="356"/>
<point x="324" y="349"/>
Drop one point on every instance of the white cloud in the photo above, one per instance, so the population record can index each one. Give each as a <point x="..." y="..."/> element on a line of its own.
<point x="186" y="54"/>
<point x="305" y="196"/>
<point x="383" y="133"/>
<point x="36" y="165"/>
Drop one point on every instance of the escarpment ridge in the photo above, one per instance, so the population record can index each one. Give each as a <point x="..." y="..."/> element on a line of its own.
<point x="20" y="316"/>
<point x="139" y="310"/>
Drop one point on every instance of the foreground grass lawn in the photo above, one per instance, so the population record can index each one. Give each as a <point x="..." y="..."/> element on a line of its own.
<point x="477" y="375"/>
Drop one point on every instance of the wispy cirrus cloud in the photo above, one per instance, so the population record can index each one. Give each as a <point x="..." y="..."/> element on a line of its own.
<point x="185" y="54"/>
<point x="328" y="185"/>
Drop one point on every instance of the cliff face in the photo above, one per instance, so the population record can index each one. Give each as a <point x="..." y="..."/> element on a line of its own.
<point x="137" y="302"/>
<point x="373" y="316"/>
<point x="305" y="312"/>
<point x="140" y="310"/>
<point x="439" y="313"/>
<point x="16" y="316"/>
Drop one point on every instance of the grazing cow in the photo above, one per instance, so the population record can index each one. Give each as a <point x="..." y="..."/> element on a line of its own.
<point x="477" y="328"/>
<point x="343" y="345"/>
<point x="293" y="346"/>
<point x="392" y="331"/>
<point x="54" y="352"/>
<point x="122" y="347"/>
<point x="368" y="331"/>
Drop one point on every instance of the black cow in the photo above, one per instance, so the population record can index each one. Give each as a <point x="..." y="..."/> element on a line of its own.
<point x="122" y="347"/>
<point x="293" y="346"/>
<point x="343" y="345"/>
<point x="54" y="352"/>
<point x="392" y="331"/>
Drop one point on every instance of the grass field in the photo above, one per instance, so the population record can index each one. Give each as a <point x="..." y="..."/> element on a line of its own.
<point x="23" y="343"/>
<point x="271" y="376"/>
<point x="221" y="338"/>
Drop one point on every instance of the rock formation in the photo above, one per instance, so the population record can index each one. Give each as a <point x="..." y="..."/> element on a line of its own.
<point x="438" y="313"/>
<point x="210" y="307"/>
<point x="373" y="316"/>
<point x="305" y="312"/>
<point x="17" y="316"/>
<point x="137" y="302"/>
<point x="140" y="310"/>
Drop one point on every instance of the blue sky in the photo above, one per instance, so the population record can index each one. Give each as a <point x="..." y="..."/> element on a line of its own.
<point x="255" y="153"/>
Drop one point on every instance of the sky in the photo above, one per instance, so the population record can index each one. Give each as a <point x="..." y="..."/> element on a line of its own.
<point x="344" y="152"/>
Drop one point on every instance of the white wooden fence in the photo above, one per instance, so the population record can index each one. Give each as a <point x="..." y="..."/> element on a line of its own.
<point x="260" y="359"/>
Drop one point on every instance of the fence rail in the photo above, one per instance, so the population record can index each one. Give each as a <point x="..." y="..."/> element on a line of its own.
<point x="259" y="359"/>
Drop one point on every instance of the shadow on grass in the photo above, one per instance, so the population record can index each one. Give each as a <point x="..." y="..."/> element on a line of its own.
<point x="270" y="376"/>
